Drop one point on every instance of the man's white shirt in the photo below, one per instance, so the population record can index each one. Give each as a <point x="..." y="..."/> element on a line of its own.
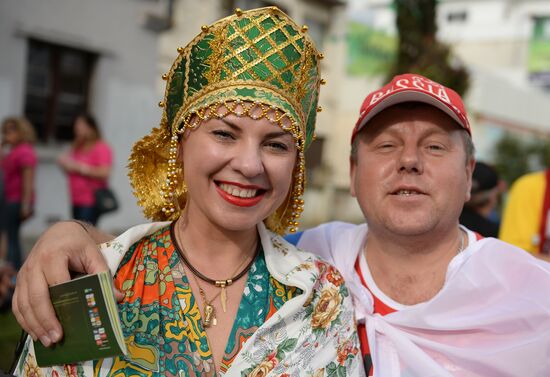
<point x="491" y="318"/>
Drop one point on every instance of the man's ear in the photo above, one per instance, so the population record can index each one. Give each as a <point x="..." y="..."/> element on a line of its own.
<point x="352" y="170"/>
<point x="470" y="165"/>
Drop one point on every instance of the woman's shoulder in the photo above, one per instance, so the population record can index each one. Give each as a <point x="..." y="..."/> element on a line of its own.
<point x="24" y="154"/>
<point x="285" y="259"/>
<point x="158" y="239"/>
<point x="100" y="143"/>
<point x="24" y="148"/>
<point x="101" y="147"/>
<point x="135" y="242"/>
<point x="289" y="251"/>
<point x="325" y="308"/>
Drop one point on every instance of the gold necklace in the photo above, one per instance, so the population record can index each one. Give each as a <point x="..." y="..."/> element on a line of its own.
<point x="208" y="309"/>
<point x="209" y="317"/>
<point x="209" y="313"/>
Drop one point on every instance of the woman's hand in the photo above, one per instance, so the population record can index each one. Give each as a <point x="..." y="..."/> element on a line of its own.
<point x="65" y="247"/>
<point x="26" y="211"/>
<point x="67" y="163"/>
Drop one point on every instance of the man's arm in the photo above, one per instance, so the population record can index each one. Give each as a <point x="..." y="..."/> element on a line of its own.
<point x="68" y="246"/>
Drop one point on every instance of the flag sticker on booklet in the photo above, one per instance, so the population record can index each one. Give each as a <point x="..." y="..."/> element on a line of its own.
<point x="87" y="310"/>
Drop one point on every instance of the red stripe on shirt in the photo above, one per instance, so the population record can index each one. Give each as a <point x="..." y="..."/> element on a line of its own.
<point x="380" y="308"/>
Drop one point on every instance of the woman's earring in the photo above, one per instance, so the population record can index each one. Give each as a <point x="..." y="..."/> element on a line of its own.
<point x="169" y="186"/>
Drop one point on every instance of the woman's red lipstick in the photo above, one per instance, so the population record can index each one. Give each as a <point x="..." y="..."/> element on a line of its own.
<point x="238" y="201"/>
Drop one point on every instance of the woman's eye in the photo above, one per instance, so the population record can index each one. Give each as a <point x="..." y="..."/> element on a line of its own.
<point x="278" y="146"/>
<point x="224" y="135"/>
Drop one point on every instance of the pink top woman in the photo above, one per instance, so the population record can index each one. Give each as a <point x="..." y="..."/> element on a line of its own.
<point x="88" y="166"/>
<point x="18" y="168"/>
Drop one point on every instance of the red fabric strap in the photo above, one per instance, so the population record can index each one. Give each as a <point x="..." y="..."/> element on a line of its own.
<point x="544" y="244"/>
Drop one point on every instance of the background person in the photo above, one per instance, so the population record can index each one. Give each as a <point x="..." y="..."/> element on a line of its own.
<point x="18" y="167"/>
<point x="3" y="237"/>
<point x="525" y="219"/>
<point x="484" y="198"/>
<point x="88" y="166"/>
<point x="216" y="291"/>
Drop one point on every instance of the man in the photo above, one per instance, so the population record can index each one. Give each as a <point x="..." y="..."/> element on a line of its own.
<point x="431" y="299"/>
<point x="484" y="198"/>
<point x="525" y="220"/>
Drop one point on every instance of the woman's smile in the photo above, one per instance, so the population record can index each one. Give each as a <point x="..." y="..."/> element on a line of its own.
<point x="240" y="195"/>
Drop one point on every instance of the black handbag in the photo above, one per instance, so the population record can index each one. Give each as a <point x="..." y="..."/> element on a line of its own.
<point x="105" y="201"/>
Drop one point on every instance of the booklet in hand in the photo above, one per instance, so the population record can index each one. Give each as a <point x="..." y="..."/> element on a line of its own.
<point x="87" y="310"/>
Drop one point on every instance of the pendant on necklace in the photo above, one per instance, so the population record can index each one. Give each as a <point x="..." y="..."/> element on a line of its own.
<point x="223" y="295"/>
<point x="223" y="298"/>
<point x="209" y="316"/>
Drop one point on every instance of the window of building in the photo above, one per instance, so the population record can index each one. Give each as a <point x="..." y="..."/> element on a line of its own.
<point x="57" y="88"/>
<point x="538" y="62"/>
<point x="544" y="24"/>
<point x="457" y="16"/>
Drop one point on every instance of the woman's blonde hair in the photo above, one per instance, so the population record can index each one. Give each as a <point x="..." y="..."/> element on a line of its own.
<point x="24" y="128"/>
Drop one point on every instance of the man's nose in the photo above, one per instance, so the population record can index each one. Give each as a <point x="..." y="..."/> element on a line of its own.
<point x="410" y="159"/>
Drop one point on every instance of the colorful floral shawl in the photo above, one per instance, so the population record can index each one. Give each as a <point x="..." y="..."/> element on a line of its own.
<point x="278" y="331"/>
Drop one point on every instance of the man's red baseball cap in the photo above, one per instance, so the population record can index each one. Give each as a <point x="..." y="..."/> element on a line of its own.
<point x="413" y="88"/>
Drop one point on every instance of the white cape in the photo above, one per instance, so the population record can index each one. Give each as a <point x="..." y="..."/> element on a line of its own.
<point x="491" y="318"/>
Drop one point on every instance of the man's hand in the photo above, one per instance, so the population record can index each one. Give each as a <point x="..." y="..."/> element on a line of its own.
<point x="65" y="247"/>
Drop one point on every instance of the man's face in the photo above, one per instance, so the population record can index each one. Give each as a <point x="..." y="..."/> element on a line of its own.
<point x="410" y="176"/>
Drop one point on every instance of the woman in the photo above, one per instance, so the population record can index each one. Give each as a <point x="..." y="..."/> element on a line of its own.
<point x="88" y="166"/>
<point x="18" y="167"/>
<point x="217" y="291"/>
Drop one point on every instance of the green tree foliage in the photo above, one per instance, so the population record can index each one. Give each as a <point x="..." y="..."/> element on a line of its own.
<point x="515" y="157"/>
<point x="540" y="152"/>
<point x="420" y="52"/>
<point x="510" y="158"/>
<point x="370" y="51"/>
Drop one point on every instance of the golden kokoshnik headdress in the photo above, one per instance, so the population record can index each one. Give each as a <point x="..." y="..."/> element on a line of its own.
<point x="256" y="63"/>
